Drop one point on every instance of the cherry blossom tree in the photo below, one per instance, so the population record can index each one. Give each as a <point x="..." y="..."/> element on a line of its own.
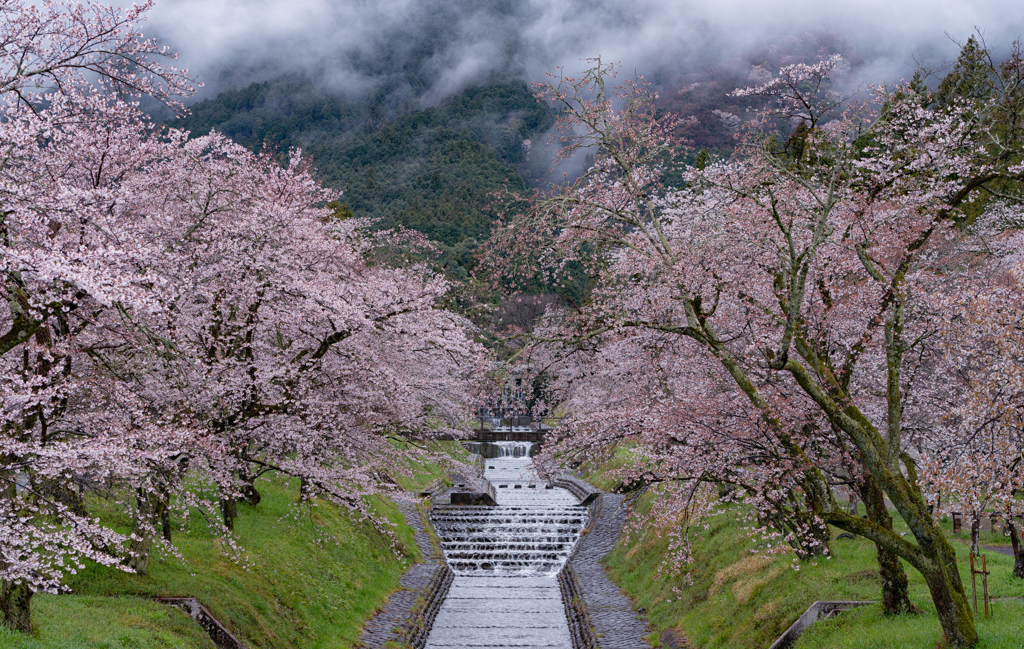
<point x="179" y="304"/>
<point x="974" y="461"/>
<point x="295" y="353"/>
<point x="808" y="270"/>
<point x="67" y="255"/>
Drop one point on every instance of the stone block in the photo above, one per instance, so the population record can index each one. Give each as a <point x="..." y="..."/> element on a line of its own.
<point x="473" y="498"/>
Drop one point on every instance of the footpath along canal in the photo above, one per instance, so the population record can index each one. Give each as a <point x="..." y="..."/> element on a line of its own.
<point x="506" y="559"/>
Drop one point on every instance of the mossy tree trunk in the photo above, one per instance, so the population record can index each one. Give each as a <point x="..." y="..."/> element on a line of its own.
<point x="15" y="604"/>
<point x="141" y="548"/>
<point x="895" y="587"/>
<point x="15" y="598"/>
<point x="1018" y="551"/>
<point x="229" y="510"/>
<point x="881" y="459"/>
<point x="248" y="488"/>
<point x="896" y="476"/>
<point x="165" y="520"/>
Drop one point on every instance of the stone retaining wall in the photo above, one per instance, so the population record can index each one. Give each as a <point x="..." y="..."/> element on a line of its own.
<point x="582" y="490"/>
<point x="422" y="618"/>
<point x="591" y="599"/>
<point x="580" y="629"/>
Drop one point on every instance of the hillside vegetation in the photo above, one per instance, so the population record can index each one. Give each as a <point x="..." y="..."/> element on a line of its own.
<point x="429" y="169"/>
<point x="307" y="575"/>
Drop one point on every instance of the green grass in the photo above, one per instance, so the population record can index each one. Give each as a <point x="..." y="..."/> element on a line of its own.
<point x="736" y="598"/>
<point x="418" y="475"/>
<point x="869" y="629"/>
<point x="307" y="576"/>
<point x="314" y="573"/>
<point x="74" y="621"/>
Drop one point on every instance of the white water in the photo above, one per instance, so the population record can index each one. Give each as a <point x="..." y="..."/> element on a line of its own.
<point x="505" y="559"/>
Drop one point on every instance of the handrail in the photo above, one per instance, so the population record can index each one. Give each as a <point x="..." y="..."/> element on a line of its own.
<point x="820" y="609"/>
<point x="195" y="610"/>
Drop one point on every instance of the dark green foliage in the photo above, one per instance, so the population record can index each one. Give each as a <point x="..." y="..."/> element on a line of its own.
<point x="970" y="76"/>
<point x="993" y="91"/>
<point x="282" y="113"/>
<point x="431" y="170"/>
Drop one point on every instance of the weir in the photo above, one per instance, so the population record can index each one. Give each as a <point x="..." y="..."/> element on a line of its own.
<point x="506" y="559"/>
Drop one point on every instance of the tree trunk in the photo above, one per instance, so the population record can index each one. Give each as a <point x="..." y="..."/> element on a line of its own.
<point x="975" y="529"/>
<point x="229" y="508"/>
<point x="165" y="520"/>
<point x="895" y="587"/>
<point x="933" y="557"/>
<point x="15" y="602"/>
<point x="951" y="602"/>
<point x="251" y="494"/>
<point x="14" y="598"/>
<point x="937" y="564"/>
<point x="65" y="494"/>
<point x="1018" y="551"/>
<point x="140" y="549"/>
<point x="248" y="489"/>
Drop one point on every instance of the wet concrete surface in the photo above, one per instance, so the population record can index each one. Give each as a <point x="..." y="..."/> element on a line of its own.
<point x="615" y="624"/>
<point x="505" y="559"/>
<point x="1001" y="549"/>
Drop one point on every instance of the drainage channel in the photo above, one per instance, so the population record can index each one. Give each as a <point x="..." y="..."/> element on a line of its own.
<point x="506" y="559"/>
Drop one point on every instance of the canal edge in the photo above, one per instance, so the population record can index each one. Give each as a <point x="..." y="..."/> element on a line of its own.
<point x="600" y="616"/>
<point x="406" y="617"/>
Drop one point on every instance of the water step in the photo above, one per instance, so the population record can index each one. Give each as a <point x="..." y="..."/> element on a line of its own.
<point x="505" y="559"/>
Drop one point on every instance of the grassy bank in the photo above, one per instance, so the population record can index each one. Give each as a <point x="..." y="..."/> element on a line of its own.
<point x="737" y="598"/>
<point x="77" y="621"/>
<point x="307" y="577"/>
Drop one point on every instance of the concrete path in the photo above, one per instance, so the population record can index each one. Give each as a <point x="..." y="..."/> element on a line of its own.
<point x="1001" y="549"/>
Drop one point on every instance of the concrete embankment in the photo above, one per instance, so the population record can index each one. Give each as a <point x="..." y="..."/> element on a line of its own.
<point x="609" y="614"/>
<point x="400" y="621"/>
<point x="506" y="558"/>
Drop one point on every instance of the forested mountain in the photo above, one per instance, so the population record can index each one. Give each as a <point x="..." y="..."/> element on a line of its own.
<point x="431" y="169"/>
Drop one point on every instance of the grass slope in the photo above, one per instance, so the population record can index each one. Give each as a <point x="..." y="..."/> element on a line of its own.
<point x="737" y="598"/>
<point x="307" y="576"/>
<point x="74" y="621"/>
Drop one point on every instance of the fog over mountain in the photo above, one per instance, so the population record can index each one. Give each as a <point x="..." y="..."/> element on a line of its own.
<point x="428" y="49"/>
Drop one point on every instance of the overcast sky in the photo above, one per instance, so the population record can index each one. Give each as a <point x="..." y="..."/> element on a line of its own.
<point x="355" y="45"/>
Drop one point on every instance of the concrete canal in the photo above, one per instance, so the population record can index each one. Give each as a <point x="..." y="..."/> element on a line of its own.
<point x="506" y="559"/>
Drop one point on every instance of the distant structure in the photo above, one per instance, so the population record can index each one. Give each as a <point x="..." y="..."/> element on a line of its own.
<point x="507" y="417"/>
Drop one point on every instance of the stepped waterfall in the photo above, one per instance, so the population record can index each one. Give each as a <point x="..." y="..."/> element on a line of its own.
<point x="506" y="558"/>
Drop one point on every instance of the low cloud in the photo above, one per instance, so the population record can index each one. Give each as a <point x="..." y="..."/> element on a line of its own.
<point x="424" y="50"/>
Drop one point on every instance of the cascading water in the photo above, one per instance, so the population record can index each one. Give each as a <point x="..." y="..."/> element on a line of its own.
<point x="505" y="560"/>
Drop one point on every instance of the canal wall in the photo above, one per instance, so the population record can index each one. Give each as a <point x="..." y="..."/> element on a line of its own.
<point x="409" y="610"/>
<point x="600" y="615"/>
